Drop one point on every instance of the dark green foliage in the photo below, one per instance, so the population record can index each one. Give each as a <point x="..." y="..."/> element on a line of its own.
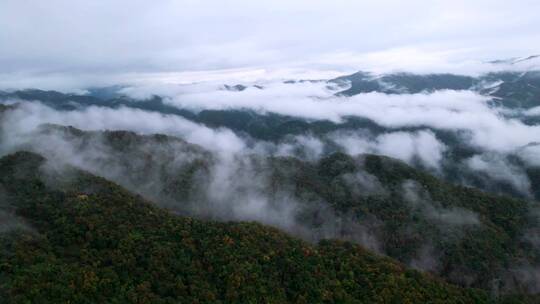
<point x="477" y="254"/>
<point x="110" y="246"/>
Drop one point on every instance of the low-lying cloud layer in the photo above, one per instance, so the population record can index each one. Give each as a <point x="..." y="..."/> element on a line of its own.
<point x="487" y="126"/>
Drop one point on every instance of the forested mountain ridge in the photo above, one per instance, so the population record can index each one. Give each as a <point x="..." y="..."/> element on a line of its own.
<point x="87" y="240"/>
<point x="461" y="234"/>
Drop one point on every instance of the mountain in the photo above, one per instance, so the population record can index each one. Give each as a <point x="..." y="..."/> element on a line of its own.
<point x="511" y="89"/>
<point x="402" y="83"/>
<point x="86" y="240"/>
<point x="514" y="90"/>
<point x="465" y="236"/>
<point x="516" y="60"/>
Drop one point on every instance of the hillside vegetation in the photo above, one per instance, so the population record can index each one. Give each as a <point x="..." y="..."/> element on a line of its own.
<point x="87" y="240"/>
<point x="461" y="234"/>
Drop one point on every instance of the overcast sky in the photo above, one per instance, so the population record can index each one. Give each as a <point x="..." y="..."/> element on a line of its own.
<point x="130" y="38"/>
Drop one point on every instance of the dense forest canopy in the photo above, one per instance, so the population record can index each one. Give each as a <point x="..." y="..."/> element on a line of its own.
<point x="87" y="240"/>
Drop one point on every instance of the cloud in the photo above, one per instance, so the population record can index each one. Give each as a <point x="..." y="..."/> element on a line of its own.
<point x="530" y="154"/>
<point x="497" y="167"/>
<point x="483" y="126"/>
<point x="533" y="111"/>
<point x="28" y="116"/>
<point x="407" y="146"/>
<point x="306" y="147"/>
<point x="420" y="200"/>
<point x="364" y="184"/>
<point x="82" y="44"/>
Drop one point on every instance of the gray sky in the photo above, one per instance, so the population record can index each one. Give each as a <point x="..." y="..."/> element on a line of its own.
<point x="89" y="40"/>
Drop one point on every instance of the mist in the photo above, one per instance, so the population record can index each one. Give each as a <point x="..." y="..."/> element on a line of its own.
<point x="221" y="174"/>
<point x="234" y="172"/>
<point x="445" y="110"/>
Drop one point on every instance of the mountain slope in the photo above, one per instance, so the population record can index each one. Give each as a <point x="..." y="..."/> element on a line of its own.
<point x="469" y="237"/>
<point x="91" y="241"/>
<point x="462" y="234"/>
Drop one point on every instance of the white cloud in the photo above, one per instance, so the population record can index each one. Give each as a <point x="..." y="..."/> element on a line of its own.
<point x="28" y="116"/>
<point x="530" y="154"/>
<point x="89" y="43"/>
<point x="445" y="110"/>
<point x="498" y="168"/>
<point x="405" y="146"/>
